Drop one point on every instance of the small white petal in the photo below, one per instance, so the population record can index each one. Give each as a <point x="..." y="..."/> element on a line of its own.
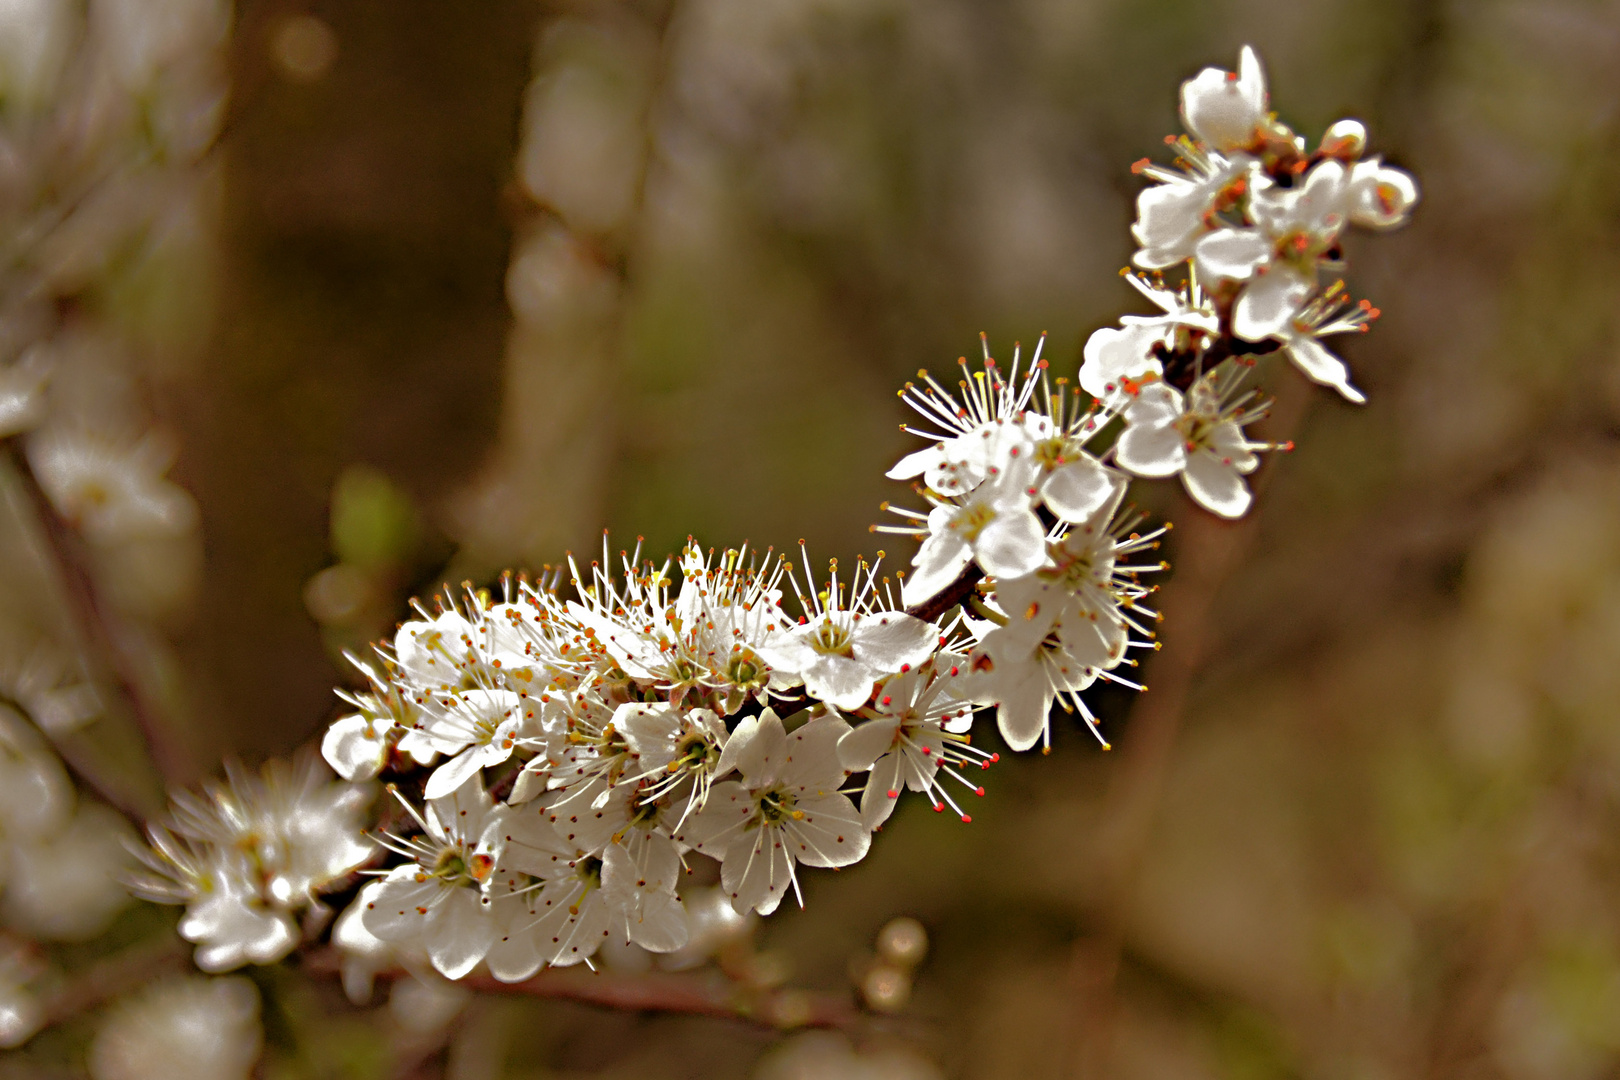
<point x="1216" y="487"/>
<point x="1270" y="302"/>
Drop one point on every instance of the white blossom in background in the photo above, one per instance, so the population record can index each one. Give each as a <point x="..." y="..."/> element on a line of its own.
<point x="49" y="686"/>
<point x="827" y="1055"/>
<point x="111" y="492"/>
<point x="36" y="796"/>
<point x="182" y="1028"/>
<point x="249" y="855"/>
<point x="69" y="886"/>
<point x="21" y="1012"/>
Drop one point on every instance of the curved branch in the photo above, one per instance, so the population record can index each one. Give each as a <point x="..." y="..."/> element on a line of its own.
<point x="695" y="994"/>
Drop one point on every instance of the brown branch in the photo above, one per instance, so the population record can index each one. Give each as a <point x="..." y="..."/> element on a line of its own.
<point x="697" y="994"/>
<point x="92" y="620"/>
<point x="948" y="597"/>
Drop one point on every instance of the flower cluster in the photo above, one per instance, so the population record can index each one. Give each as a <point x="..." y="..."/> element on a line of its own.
<point x="628" y="726"/>
<point x="563" y="750"/>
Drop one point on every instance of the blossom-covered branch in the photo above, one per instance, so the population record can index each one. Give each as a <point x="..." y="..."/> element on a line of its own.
<point x="563" y="751"/>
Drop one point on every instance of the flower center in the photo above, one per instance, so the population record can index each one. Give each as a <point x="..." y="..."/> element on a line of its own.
<point x="454" y="868"/>
<point x="830" y="639"/>
<point x="971" y="520"/>
<point x="776" y="805"/>
<point x="744" y="669"/>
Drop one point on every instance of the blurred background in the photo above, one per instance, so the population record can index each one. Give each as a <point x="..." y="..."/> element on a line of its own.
<point x="455" y="287"/>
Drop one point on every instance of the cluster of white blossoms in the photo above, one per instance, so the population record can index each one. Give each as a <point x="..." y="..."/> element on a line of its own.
<point x="563" y="750"/>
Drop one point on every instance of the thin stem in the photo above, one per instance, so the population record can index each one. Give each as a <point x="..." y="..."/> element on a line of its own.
<point x="94" y="622"/>
<point x="697" y="994"/>
<point x="951" y="595"/>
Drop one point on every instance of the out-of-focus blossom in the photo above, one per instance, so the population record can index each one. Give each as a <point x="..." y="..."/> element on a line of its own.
<point x="112" y="492"/>
<point x="68" y="886"/>
<point x="825" y="1055"/>
<point x="249" y="854"/>
<point x="183" y="1028"/>
<point x="21" y="1012"/>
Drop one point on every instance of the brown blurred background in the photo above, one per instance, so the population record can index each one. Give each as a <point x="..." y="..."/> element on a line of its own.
<point x="496" y="276"/>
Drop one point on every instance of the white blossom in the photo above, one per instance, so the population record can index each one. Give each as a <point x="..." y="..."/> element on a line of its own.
<point x="439" y="899"/>
<point x="1185" y="204"/>
<point x="21" y="1011"/>
<point x="1223" y="108"/>
<point x="921" y="724"/>
<point x="112" y="492"/>
<point x="1195" y="436"/>
<point x="1380" y="196"/>
<point x="846" y="645"/>
<point x="785" y="810"/>
<point x="1277" y="257"/>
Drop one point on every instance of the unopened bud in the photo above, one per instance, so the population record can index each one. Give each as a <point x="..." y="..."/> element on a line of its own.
<point x="1345" y="140"/>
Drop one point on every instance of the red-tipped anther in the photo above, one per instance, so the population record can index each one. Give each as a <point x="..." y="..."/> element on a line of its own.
<point x="978" y="791"/>
<point x="939" y="808"/>
<point x="966" y="820"/>
<point x="893" y="794"/>
<point x="1138" y="166"/>
<point x="927" y="750"/>
<point x="886" y="700"/>
<point x="995" y="757"/>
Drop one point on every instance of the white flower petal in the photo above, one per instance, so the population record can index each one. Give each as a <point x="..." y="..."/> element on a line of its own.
<point x="812" y="761"/>
<point x="356" y="746"/>
<point x="464" y="932"/>
<point x="882" y="791"/>
<point x="757" y="871"/>
<point x="866" y="742"/>
<point x="1270" y="302"/>
<point x="1224" y="109"/>
<point x="1151" y="450"/>
<point x="892" y="640"/>
<point x="1011" y="545"/>
<point x="829" y="834"/>
<point x="941" y="558"/>
<point x="1232" y="253"/>
<point x="840" y="681"/>
<point x="1321" y="365"/>
<point x="453" y="773"/>
<point x="1215" y="486"/>
<point x="915" y="464"/>
<point x="1077" y="489"/>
